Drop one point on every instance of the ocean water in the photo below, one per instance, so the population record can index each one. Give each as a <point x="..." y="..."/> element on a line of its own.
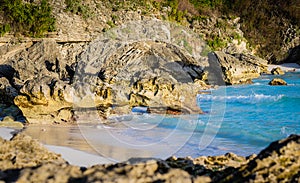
<point x="255" y="115"/>
<point x="241" y="119"/>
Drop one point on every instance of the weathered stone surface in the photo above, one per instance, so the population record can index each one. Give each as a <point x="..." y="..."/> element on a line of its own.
<point x="22" y="151"/>
<point x="279" y="162"/>
<point x="277" y="71"/>
<point x="149" y="74"/>
<point x="277" y="81"/>
<point x="40" y="76"/>
<point x="240" y="68"/>
<point x="147" y="63"/>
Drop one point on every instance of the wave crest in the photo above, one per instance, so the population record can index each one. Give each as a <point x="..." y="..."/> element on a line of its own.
<point x="246" y="99"/>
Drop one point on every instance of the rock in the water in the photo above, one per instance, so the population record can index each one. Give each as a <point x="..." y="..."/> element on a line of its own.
<point x="277" y="71"/>
<point x="277" y="81"/>
<point x="240" y="68"/>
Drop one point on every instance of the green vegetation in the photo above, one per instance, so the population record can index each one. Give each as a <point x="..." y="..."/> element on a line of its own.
<point x="77" y="7"/>
<point x="29" y="19"/>
<point x="175" y="14"/>
<point x="215" y="42"/>
<point x="4" y="29"/>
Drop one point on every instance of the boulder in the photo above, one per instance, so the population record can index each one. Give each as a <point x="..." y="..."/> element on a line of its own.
<point x="277" y="71"/>
<point x="240" y="68"/>
<point x="277" y="81"/>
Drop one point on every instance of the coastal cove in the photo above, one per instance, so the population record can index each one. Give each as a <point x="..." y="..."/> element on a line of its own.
<point x="149" y="91"/>
<point x="255" y="115"/>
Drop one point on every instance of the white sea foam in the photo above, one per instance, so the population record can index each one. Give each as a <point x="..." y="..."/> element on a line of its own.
<point x="253" y="98"/>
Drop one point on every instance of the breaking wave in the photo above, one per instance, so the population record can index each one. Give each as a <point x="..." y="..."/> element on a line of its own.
<point x="248" y="99"/>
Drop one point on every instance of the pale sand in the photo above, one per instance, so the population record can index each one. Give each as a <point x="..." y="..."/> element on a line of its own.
<point x="77" y="157"/>
<point x="287" y="67"/>
<point x="7" y="133"/>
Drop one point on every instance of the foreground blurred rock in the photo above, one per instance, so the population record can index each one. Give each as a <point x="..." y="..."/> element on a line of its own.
<point x="23" y="159"/>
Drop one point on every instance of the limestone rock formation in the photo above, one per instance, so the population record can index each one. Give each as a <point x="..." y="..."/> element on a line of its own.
<point x="153" y="74"/>
<point x="277" y="81"/>
<point x="240" y="68"/>
<point x="147" y="63"/>
<point x="277" y="71"/>
<point x="36" y="80"/>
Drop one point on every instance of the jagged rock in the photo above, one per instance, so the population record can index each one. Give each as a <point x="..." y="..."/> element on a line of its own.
<point x="240" y="68"/>
<point x="277" y="81"/>
<point x="144" y="74"/>
<point x="22" y="151"/>
<point x="41" y="74"/>
<point x="279" y="162"/>
<point x="127" y="72"/>
<point x="277" y="71"/>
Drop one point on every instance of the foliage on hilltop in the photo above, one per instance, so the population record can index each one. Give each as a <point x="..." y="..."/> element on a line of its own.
<point x="267" y="25"/>
<point x="31" y="19"/>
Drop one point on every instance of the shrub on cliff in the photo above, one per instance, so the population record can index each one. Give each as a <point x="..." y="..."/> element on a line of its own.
<point x="29" y="19"/>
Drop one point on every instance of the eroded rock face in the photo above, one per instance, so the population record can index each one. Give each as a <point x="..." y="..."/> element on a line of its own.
<point x="36" y="80"/>
<point x="145" y="74"/>
<point x="7" y="92"/>
<point x="240" y="68"/>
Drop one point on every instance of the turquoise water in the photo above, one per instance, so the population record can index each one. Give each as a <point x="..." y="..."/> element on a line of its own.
<point x="242" y="119"/>
<point x="255" y="115"/>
